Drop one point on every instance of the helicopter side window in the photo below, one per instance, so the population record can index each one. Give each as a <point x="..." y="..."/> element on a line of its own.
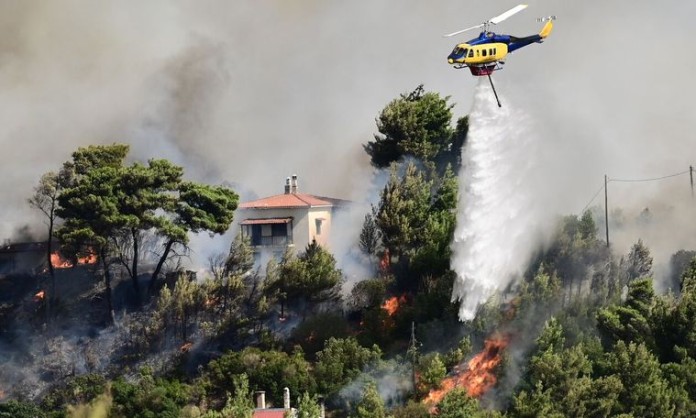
<point x="464" y="52"/>
<point x="471" y="53"/>
<point x="483" y="52"/>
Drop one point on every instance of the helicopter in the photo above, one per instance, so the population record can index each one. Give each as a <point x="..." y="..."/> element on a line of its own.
<point x="487" y="53"/>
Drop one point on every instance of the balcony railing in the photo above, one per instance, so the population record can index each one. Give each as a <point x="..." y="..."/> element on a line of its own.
<point x="271" y="241"/>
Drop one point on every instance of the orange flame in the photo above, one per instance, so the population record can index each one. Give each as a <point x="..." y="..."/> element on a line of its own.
<point x="40" y="296"/>
<point x="392" y="304"/>
<point x="90" y="258"/>
<point x="385" y="262"/>
<point x="58" y="262"/>
<point x="480" y="375"/>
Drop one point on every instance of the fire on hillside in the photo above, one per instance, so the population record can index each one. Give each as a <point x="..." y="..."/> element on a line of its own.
<point x="392" y="304"/>
<point x="479" y="377"/>
<point x="58" y="262"/>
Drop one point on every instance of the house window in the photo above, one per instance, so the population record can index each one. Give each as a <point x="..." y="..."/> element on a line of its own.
<point x="266" y="230"/>
<point x="317" y="222"/>
<point x="272" y="232"/>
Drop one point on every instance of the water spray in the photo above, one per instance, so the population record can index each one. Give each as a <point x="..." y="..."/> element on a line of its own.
<point x="492" y="242"/>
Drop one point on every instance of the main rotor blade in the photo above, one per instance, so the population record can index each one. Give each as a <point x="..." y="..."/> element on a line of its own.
<point x="507" y="14"/>
<point x="463" y="30"/>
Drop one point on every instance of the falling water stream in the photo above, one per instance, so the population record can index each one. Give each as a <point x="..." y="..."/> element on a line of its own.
<point x="497" y="207"/>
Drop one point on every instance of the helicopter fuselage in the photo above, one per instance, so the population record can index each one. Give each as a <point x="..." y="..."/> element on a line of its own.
<point x="482" y="55"/>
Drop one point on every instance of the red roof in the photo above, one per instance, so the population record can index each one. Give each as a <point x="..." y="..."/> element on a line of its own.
<point x="269" y="413"/>
<point x="288" y="200"/>
<point x="266" y="221"/>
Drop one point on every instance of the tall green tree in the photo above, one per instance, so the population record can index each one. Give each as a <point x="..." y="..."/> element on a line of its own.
<point x="307" y="407"/>
<point x="92" y="218"/>
<point x="403" y="210"/>
<point x="45" y="199"/>
<point x="199" y="208"/>
<point x="369" y="235"/>
<point x="147" y="195"/>
<point x="431" y="257"/>
<point x="340" y="361"/>
<point x="632" y="321"/>
<point x="371" y="404"/>
<point x="645" y="391"/>
<point x="415" y="124"/>
<point x="431" y="370"/>
<point x="639" y="263"/>
<point x="105" y="202"/>
<point x="309" y="279"/>
<point x="238" y="406"/>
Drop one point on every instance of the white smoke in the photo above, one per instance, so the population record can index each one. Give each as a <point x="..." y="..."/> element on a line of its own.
<point x="499" y="208"/>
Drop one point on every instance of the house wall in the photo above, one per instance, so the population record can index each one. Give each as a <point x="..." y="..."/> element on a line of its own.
<point x="323" y="214"/>
<point x="304" y="224"/>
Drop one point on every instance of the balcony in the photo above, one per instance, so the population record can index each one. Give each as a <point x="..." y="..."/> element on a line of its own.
<point x="268" y="232"/>
<point x="280" y="240"/>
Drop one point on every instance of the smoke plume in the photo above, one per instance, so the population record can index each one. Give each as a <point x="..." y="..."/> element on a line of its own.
<point x="246" y="92"/>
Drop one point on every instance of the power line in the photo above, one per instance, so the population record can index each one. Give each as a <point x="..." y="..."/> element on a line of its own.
<point x="609" y="180"/>
<point x="593" y="198"/>
<point x="649" y="179"/>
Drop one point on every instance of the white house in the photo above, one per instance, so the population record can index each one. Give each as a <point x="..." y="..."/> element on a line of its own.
<point x="291" y="219"/>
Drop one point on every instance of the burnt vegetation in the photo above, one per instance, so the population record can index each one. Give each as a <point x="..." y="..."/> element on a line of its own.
<point x="100" y="318"/>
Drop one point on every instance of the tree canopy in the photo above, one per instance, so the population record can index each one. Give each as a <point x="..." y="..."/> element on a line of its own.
<point x="416" y="124"/>
<point x="107" y="207"/>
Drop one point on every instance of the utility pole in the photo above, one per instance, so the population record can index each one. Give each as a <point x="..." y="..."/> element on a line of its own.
<point x="412" y="353"/>
<point x="691" y="174"/>
<point x="606" y="208"/>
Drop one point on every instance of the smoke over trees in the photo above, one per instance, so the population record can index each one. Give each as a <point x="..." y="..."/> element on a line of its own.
<point x="574" y="346"/>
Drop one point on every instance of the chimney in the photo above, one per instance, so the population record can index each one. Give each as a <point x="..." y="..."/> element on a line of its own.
<point x="287" y="185"/>
<point x="293" y="185"/>
<point x="261" y="400"/>
<point x="286" y="398"/>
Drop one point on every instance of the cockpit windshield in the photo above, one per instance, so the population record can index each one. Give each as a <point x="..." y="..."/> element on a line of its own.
<point x="459" y="52"/>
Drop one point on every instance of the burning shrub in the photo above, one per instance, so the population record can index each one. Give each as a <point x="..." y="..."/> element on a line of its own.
<point x="480" y="374"/>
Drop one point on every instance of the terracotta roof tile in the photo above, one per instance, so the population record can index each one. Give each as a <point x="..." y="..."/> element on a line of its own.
<point x="266" y="221"/>
<point x="290" y="200"/>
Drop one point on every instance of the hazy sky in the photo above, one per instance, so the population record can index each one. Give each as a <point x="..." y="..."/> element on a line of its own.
<point x="252" y="91"/>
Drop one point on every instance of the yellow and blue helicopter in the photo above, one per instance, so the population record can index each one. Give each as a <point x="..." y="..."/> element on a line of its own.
<point x="487" y="53"/>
